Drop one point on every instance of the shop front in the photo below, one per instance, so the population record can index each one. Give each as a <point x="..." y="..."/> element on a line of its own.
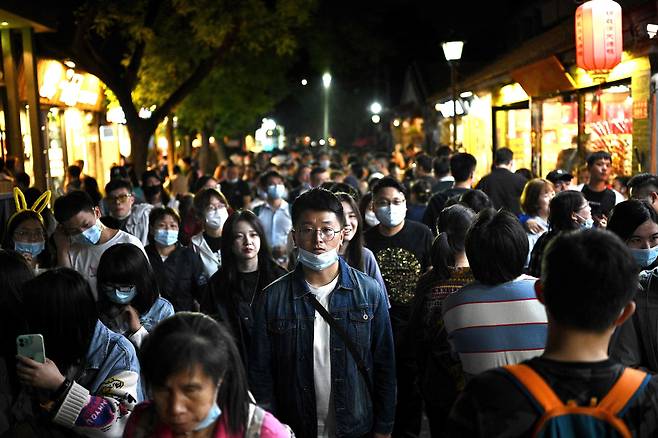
<point x="74" y="127"/>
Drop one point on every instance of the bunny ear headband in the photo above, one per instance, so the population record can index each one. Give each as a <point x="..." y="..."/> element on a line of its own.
<point x="21" y="204"/>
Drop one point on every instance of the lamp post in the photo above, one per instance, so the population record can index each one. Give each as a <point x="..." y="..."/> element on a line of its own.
<point x="452" y="50"/>
<point x="326" y="83"/>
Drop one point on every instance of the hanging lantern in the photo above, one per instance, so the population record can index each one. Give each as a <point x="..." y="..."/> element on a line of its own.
<point x="598" y="36"/>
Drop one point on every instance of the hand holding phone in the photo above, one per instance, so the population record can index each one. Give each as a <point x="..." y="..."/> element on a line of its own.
<point x="31" y="346"/>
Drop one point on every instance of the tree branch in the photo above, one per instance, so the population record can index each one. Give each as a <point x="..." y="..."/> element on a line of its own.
<point x="151" y="14"/>
<point x="200" y="73"/>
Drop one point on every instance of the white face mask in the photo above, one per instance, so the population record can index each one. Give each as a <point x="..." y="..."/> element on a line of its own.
<point x="391" y="215"/>
<point x="371" y="218"/>
<point x="215" y="219"/>
<point x="317" y="262"/>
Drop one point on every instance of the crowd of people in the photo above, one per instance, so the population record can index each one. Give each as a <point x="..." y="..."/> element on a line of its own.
<point x="332" y="295"/>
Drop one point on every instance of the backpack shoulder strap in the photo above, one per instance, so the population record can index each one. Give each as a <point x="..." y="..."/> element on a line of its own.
<point x="255" y="422"/>
<point x="629" y="385"/>
<point x="535" y="386"/>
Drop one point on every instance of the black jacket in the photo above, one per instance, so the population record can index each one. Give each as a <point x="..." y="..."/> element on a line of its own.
<point x="227" y="303"/>
<point x="504" y="188"/>
<point x="181" y="277"/>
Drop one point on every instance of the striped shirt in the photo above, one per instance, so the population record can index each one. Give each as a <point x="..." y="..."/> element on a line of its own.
<point x="492" y="326"/>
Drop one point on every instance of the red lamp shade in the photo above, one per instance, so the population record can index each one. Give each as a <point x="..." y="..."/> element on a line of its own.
<point x="598" y="35"/>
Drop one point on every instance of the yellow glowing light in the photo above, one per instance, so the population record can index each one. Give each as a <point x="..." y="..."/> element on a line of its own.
<point x="396" y="122"/>
<point x="512" y="93"/>
<point x="211" y="139"/>
<point x="196" y="143"/>
<point x="4" y="23"/>
<point x="163" y="144"/>
<point x="51" y="78"/>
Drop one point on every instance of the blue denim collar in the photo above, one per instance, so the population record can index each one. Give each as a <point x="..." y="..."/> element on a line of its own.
<point x="98" y="348"/>
<point x="300" y="288"/>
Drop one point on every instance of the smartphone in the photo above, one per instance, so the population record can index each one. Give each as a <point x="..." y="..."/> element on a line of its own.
<point x="31" y="346"/>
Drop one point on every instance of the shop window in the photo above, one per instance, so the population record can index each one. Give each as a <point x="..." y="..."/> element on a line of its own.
<point x="559" y="139"/>
<point x="513" y="130"/>
<point x="609" y="125"/>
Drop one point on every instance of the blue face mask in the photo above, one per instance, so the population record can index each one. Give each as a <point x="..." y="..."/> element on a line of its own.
<point x="589" y="223"/>
<point x="90" y="236"/>
<point x="277" y="191"/>
<point x="120" y="296"/>
<point x="166" y="237"/>
<point x="213" y="415"/>
<point x="31" y="248"/>
<point x="645" y="257"/>
<point x="317" y="262"/>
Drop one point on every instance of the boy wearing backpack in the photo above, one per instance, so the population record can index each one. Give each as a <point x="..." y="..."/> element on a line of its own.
<point x="587" y="285"/>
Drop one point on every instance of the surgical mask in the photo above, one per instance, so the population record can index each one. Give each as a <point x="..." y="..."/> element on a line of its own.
<point x="232" y="181"/>
<point x="213" y="415"/>
<point x="277" y="191"/>
<point x="325" y="164"/>
<point x="645" y="257"/>
<point x="215" y="219"/>
<point x="31" y="248"/>
<point x="119" y="296"/>
<point x="589" y="223"/>
<point x="90" y="236"/>
<point x="371" y="218"/>
<point x="166" y="237"/>
<point x="391" y="215"/>
<point x="317" y="262"/>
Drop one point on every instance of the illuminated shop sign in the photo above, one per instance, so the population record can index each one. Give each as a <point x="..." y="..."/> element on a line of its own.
<point x="60" y="85"/>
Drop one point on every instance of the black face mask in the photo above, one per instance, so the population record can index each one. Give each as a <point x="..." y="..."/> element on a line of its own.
<point x="151" y="191"/>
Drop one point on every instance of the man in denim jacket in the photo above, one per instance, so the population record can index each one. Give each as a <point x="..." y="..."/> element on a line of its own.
<point x="299" y="368"/>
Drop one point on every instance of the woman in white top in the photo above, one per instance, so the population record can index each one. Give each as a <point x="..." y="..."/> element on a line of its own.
<point x="535" y="199"/>
<point x="211" y="208"/>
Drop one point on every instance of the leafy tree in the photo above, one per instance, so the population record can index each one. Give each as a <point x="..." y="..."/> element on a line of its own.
<point x="157" y="52"/>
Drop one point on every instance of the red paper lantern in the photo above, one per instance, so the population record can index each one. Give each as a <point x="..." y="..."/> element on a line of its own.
<point x="598" y="35"/>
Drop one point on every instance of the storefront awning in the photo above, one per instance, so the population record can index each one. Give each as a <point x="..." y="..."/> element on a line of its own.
<point x="543" y="77"/>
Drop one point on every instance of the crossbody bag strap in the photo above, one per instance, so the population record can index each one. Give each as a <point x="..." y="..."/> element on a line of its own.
<point x="360" y="362"/>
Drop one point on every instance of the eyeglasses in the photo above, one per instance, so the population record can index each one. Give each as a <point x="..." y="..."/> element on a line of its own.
<point x="120" y="198"/>
<point x="28" y="234"/>
<point x="326" y="233"/>
<point x="385" y="203"/>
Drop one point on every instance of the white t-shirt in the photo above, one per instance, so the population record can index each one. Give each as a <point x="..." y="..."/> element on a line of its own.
<point x="85" y="258"/>
<point x="322" y="363"/>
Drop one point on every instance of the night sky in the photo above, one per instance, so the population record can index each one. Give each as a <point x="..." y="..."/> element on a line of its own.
<point x="368" y="46"/>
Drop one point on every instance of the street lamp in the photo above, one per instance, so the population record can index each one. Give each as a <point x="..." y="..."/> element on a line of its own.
<point x="326" y="83"/>
<point x="376" y="108"/>
<point x="452" y="50"/>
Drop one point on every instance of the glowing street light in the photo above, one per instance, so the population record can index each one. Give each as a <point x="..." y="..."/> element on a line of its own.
<point x="452" y="50"/>
<point x="376" y="108"/>
<point x="375" y="118"/>
<point x="326" y="83"/>
<point x="304" y="82"/>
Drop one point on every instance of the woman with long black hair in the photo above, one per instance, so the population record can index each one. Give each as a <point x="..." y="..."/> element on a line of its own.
<point x="247" y="267"/>
<point x="89" y="381"/>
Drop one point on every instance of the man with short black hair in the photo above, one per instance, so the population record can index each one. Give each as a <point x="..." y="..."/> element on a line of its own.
<point x="644" y="186"/>
<point x="81" y="238"/>
<point x="124" y="213"/>
<point x="319" y="175"/>
<point x="236" y="190"/>
<point x="503" y="187"/>
<point x="462" y="168"/>
<point x="496" y="320"/>
<point x="402" y="249"/>
<point x="275" y="214"/>
<point x="601" y="198"/>
<point x="587" y="285"/>
<point x="424" y="168"/>
<point x="300" y="366"/>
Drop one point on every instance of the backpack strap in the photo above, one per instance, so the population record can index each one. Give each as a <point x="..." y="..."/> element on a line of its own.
<point x="627" y="387"/>
<point x="535" y="386"/>
<point x="255" y="421"/>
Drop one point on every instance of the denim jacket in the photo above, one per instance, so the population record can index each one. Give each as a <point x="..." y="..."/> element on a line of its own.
<point x="105" y="390"/>
<point x="281" y="355"/>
